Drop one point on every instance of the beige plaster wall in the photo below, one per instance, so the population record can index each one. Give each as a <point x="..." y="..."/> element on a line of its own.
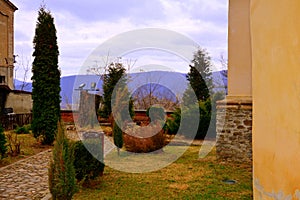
<point x="275" y="34"/>
<point x="6" y="42"/>
<point x="20" y="102"/>
<point x="239" y="49"/>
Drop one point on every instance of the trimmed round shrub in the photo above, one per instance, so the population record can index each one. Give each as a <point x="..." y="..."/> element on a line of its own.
<point x="145" y="141"/>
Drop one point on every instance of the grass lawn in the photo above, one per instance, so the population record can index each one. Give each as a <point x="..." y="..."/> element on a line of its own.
<point x="187" y="178"/>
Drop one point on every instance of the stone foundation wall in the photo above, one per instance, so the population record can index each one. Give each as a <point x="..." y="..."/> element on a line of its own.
<point x="234" y="131"/>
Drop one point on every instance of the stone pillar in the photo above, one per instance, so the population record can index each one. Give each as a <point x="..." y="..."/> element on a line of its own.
<point x="234" y="114"/>
<point x="87" y="111"/>
<point x="234" y="130"/>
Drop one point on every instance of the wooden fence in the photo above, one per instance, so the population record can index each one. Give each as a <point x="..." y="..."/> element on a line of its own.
<point x="11" y="121"/>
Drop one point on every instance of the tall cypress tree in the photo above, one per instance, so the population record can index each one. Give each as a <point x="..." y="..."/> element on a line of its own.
<point x="200" y="76"/>
<point x="45" y="79"/>
<point x="200" y="79"/>
<point x="115" y="73"/>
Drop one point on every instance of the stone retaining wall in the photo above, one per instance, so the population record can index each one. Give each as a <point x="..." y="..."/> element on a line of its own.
<point x="234" y="130"/>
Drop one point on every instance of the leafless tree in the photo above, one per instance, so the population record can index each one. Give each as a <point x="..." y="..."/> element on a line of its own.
<point x="224" y="63"/>
<point x="68" y="105"/>
<point x="25" y="65"/>
<point x="223" y="72"/>
<point x="153" y="93"/>
<point x="101" y="66"/>
<point x="144" y="97"/>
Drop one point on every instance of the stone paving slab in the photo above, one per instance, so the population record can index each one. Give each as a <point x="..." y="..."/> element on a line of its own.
<point x="26" y="179"/>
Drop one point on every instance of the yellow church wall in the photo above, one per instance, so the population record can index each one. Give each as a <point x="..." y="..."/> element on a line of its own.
<point x="237" y="106"/>
<point x="275" y="36"/>
<point x="239" y="49"/>
<point x="7" y="42"/>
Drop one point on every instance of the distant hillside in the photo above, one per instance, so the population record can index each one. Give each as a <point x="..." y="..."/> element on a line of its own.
<point x="173" y="81"/>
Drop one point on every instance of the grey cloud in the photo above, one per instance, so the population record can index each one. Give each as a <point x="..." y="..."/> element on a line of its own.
<point x="108" y="10"/>
<point x="77" y="22"/>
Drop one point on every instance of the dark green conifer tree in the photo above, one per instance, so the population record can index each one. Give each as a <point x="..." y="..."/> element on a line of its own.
<point x="115" y="73"/>
<point x="45" y="79"/>
<point x="62" y="181"/>
<point x="201" y="84"/>
<point x="200" y="76"/>
<point x="119" y="103"/>
<point x="118" y="136"/>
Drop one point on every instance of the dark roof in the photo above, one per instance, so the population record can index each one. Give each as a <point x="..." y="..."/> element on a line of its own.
<point x="5" y="87"/>
<point x="11" y="5"/>
<point x="21" y="92"/>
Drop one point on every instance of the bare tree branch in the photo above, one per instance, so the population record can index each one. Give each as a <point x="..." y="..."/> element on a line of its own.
<point x="25" y="65"/>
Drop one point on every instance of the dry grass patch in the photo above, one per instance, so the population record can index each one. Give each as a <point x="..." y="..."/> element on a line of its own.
<point x="29" y="147"/>
<point x="179" y="186"/>
<point x="187" y="178"/>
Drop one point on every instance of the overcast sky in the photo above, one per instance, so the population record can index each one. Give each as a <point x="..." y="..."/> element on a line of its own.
<point x="82" y="26"/>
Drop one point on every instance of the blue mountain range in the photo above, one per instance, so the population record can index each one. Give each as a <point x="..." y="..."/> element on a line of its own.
<point x="171" y="81"/>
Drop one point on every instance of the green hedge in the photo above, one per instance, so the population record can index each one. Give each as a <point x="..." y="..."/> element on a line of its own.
<point x="23" y="129"/>
<point x="86" y="165"/>
<point x="3" y="147"/>
<point x="185" y="125"/>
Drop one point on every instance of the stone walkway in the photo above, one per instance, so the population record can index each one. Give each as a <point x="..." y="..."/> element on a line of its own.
<point x="26" y="179"/>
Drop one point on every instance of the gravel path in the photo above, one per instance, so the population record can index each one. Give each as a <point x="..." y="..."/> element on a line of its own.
<point x="26" y="179"/>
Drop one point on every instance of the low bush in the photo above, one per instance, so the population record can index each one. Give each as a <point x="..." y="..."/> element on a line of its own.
<point x="172" y="125"/>
<point x="86" y="165"/>
<point x="185" y="122"/>
<point x="3" y="147"/>
<point x="62" y="182"/>
<point x="23" y="129"/>
<point x="141" y="120"/>
<point x="189" y="117"/>
<point x="14" y="143"/>
<point x="144" y="139"/>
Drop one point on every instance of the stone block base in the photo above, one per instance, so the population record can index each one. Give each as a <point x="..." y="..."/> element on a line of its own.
<point x="234" y="130"/>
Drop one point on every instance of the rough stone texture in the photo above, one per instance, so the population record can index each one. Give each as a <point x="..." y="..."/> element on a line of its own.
<point x="87" y="113"/>
<point x="26" y="179"/>
<point x="234" y="131"/>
